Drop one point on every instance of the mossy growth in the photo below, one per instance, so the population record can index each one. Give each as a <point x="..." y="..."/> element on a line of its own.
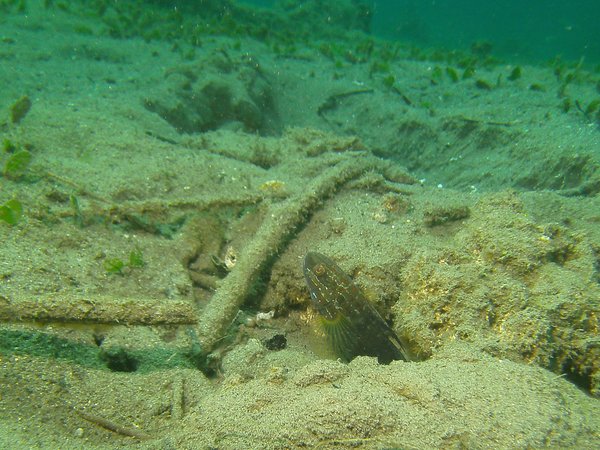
<point x="436" y="75"/>
<point x="114" y="266"/>
<point x="389" y="81"/>
<point x="566" y="105"/>
<point x="365" y="48"/>
<point x="483" y="85"/>
<point x="327" y="50"/>
<point x="9" y="146"/>
<point x="379" y="67"/>
<point x="591" y="110"/>
<point x="136" y="258"/>
<point x="536" y="87"/>
<point x="515" y="74"/>
<point x="19" y="109"/>
<point x="592" y="107"/>
<point x="77" y="214"/>
<point x="481" y="49"/>
<point x="117" y="266"/>
<point x="13" y="5"/>
<point x="469" y="72"/>
<point x="11" y="212"/>
<point x="16" y="165"/>
<point x="452" y="74"/>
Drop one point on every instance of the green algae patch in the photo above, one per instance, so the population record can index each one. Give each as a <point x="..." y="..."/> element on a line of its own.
<point x="42" y="344"/>
<point x="19" y="109"/>
<point x="11" y="212"/>
<point x="16" y="165"/>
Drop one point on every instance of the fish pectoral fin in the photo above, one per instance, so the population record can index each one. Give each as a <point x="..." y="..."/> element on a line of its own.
<point x="341" y="335"/>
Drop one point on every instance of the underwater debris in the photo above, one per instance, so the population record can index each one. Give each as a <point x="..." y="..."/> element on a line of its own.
<point x="260" y="318"/>
<point x="282" y="219"/>
<point x="404" y="98"/>
<point x="113" y="426"/>
<point x="97" y="309"/>
<point x="230" y="258"/>
<point x="276" y="342"/>
<point x="333" y="101"/>
<point x="445" y="214"/>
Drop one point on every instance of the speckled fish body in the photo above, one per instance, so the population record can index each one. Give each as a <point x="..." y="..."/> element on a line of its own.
<point x="353" y="326"/>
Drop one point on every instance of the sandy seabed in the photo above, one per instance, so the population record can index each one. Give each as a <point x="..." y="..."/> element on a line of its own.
<point x="169" y="200"/>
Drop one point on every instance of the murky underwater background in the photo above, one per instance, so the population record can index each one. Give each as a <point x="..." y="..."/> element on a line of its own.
<point x="519" y="31"/>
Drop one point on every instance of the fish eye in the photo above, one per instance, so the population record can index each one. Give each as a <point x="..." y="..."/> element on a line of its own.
<point x="319" y="269"/>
